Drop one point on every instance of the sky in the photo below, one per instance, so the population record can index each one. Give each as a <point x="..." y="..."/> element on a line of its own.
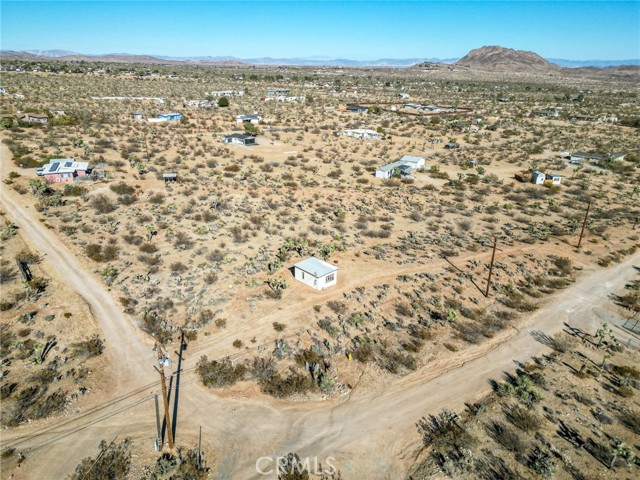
<point x="357" y="30"/>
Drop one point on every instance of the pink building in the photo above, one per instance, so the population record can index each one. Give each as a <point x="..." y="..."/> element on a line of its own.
<point x="64" y="170"/>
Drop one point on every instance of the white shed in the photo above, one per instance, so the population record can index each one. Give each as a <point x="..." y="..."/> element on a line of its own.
<point x="538" y="178"/>
<point x="316" y="273"/>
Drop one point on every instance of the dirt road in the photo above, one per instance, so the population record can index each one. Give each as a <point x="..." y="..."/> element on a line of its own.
<point x="369" y="433"/>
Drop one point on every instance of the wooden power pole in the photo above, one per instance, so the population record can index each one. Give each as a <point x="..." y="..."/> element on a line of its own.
<point x="165" y="399"/>
<point x="493" y="257"/>
<point x="584" y="224"/>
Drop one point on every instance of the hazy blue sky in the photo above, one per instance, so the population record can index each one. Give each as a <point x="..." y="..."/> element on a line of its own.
<point x="357" y="30"/>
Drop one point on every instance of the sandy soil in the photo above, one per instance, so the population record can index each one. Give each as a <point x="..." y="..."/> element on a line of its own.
<point x="370" y="432"/>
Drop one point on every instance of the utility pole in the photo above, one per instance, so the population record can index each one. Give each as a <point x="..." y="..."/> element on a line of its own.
<point x="158" y="428"/>
<point x="163" y="385"/>
<point x="584" y="224"/>
<point x="493" y="257"/>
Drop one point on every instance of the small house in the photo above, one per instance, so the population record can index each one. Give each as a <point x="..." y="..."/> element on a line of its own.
<point x="227" y="93"/>
<point x="255" y="119"/>
<point x="170" y="177"/>
<point x="360" y="133"/>
<point x="452" y="146"/>
<point x="64" y="170"/>
<point x="553" y="178"/>
<point x="170" y="117"/>
<point x="278" y="91"/>
<point x="538" y="178"/>
<point x="543" y="112"/>
<point x="239" y="139"/>
<point x="594" y="158"/>
<point x="405" y="166"/>
<point x="138" y="116"/>
<point x="357" y="109"/>
<point x="404" y="95"/>
<point x="316" y="273"/>
<point x="33" y="118"/>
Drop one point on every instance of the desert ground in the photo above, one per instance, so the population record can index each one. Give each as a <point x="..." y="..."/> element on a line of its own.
<point x="202" y="265"/>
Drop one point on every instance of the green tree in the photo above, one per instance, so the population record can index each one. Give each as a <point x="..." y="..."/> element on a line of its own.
<point x="251" y="129"/>
<point x="223" y="102"/>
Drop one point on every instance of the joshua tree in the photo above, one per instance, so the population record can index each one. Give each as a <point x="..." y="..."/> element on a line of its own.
<point x="620" y="450"/>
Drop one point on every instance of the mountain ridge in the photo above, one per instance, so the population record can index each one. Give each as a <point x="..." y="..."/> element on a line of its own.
<point x="466" y="61"/>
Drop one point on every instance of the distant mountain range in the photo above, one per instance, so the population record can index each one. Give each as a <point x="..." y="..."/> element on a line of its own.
<point x="492" y="57"/>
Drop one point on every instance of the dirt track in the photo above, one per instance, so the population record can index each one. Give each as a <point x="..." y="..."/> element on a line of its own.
<point x="369" y="432"/>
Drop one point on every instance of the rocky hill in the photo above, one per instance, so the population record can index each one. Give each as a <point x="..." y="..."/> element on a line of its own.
<point x="500" y="59"/>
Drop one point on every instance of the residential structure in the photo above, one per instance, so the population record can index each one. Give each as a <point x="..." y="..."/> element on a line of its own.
<point x="541" y="112"/>
<point x="170" y="117"/>
<point x="405" y="166"/>
<point x="227" y="93"/>
<point x="594" y="158"/>
<point x="255" y="119"/>
<point x="452" y="146"/>
<point x="170" y="177"/>
<point x="33" y="118"/>
<point x="357" y="109"/>
<point x="538" y="178"/>
<point x="278" y="91"/>
<point x="553" y="178"/>
<point x="361" y="133"/>
<point x="138" y="116"/>
<point x="316" y="273"/>
<point x="239" y="139"/>
<point x="64" y="170"/>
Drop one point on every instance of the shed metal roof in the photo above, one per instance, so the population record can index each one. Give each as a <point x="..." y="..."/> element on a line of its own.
<point x="316" y="267"/>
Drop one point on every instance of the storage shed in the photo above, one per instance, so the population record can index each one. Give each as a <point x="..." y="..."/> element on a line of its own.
<point x="316" y="273"/>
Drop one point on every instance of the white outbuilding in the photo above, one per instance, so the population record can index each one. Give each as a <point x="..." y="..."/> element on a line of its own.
<point x="316" y="273"/>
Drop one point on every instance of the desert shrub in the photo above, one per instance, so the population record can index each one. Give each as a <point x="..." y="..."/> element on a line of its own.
<point x="178" y="267"/>
<point x="405" y="310"/>
<point x="148" y="248"/>
<point x="541" y="462"/>
<point x="122" y="189"/>
<point x="94" y="252"/>
<point x="363" y="352"/>
<point x="563" y="265"/>
<point x="524" y="419"/>
<point x="506" y="437"/>
<point x="112" y="462"/>
<point x="92" y="347"/>
<point x="7" y="272"/>
<point x="450" y="441"/>
<point x="156" y="198"/>
<point x="308" y="355"/>
<point x="237" y="343"/>
<point x="32" y="403"/>
<point x="102" y="204"/>
<point x="27" y="256"/>
<point x="626" y="371"/>
<point x="337" y="307"/>
<point x="392" y="360"/>
<point x="281" y="387"/>
<point x="221" y="322"/>
<point x="133" y="239"/>
<point x="517" y="301"/>
<point x="219" y="373"/>
<point x="291" y="468"/>
<point x="262" y="368"/>
<point x="630" y="419"/>
<point x="562" y="342"/>
<point x="278" y="327"/>
<point x="183" y="465"/>
<point x="127" y="199"/>
<point x="74" y="190"/>
<point x="492" y="467"/>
